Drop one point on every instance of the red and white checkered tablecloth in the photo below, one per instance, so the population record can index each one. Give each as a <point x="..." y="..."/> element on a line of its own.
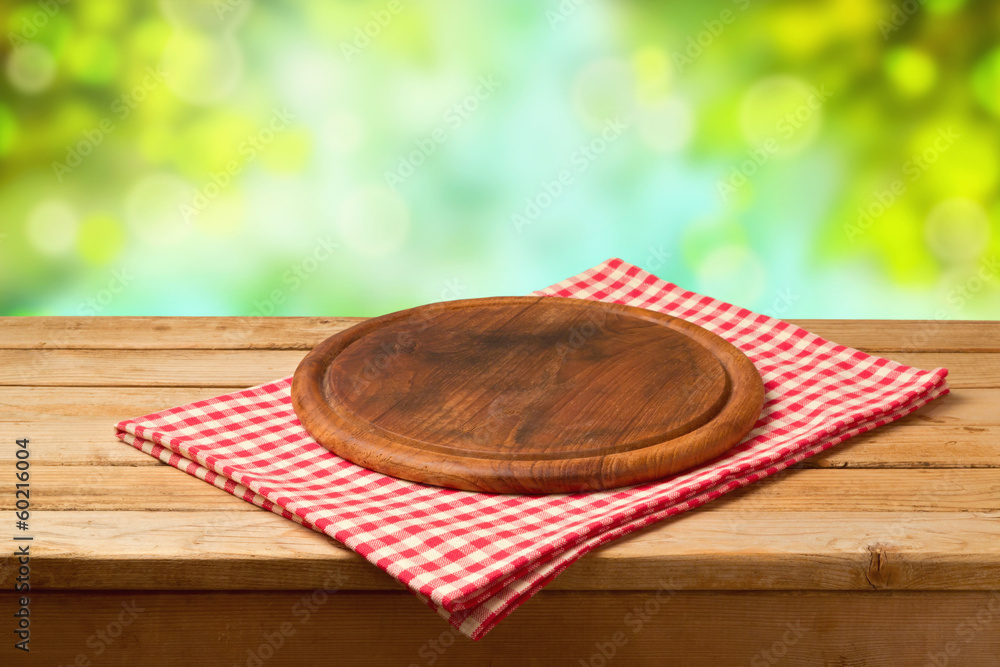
<point x="475" y="557"/>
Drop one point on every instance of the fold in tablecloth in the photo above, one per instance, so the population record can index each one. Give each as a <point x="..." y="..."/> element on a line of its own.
<point x="475" y="557"/>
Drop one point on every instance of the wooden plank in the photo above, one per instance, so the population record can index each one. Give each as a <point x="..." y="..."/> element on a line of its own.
<point x="147" y="368"/>
<point x="867" y="490"/>
<point x="164" y="488"/>
<point x="234" y="549"/>
<point x="218" y="368"/>
<point x="698" y="550"/>
<point x="165" y="333"/>
<point x="918" y="447"/>
<point x="960" y="430"/>
<point x="70" y="426"/>
<point x="974" y="406"/>
<point x="38" y="404"/>
<point x="930" y="438"/>
<point x="302" y="333"/>
<point x="965" y="370"/>
<point x="156" y="488"/>
<point x="882" y="336"/>
<point x="83" y="441"/>
<point x="903" y="446"/>
<point x="71" y="441"/>
<point x="691" y="628"/>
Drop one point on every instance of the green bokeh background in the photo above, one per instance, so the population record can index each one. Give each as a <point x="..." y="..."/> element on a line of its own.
<point x="229" y="157"/>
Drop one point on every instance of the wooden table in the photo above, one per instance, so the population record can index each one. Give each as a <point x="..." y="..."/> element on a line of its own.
<point x="885" y="550"/>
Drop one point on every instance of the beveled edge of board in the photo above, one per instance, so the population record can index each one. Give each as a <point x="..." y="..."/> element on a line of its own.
<point x="338" y="431"/>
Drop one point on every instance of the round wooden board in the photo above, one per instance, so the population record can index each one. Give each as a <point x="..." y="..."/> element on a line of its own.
<point x="527" y="395"/>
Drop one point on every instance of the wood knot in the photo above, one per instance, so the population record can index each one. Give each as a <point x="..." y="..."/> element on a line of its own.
<point x="878" y="571"/>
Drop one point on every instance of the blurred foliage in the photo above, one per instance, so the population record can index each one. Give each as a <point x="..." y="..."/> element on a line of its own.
<point x="836" y="158"/>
